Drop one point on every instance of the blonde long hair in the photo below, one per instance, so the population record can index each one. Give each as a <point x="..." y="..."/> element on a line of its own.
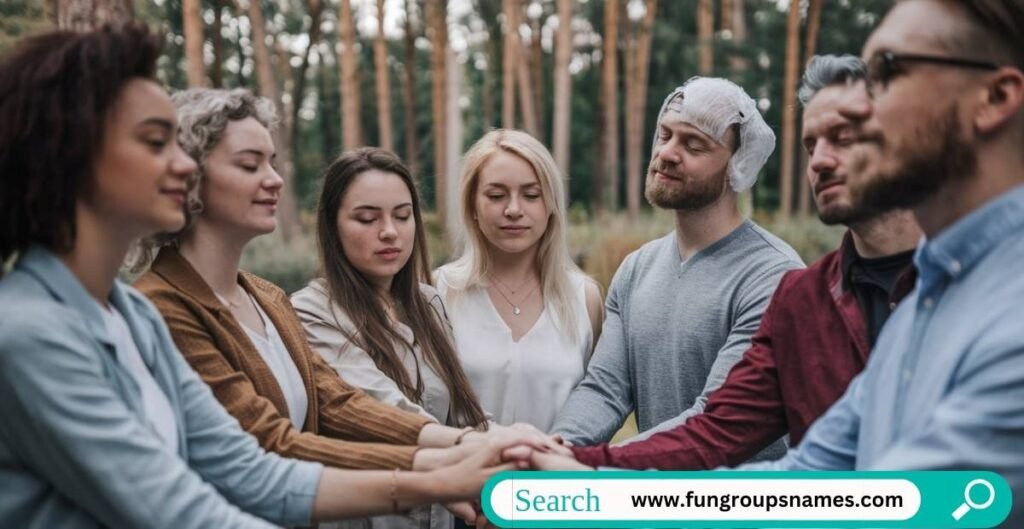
<point x="553" y="261"/>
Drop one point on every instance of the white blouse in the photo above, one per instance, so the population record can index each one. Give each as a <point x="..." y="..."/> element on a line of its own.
<point x="157" y="408"/>
<point x="525" y="381"/>
<point x="281" y="364"/>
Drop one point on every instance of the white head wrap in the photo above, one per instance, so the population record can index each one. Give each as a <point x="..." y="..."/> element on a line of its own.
<point x="712" y="105"/>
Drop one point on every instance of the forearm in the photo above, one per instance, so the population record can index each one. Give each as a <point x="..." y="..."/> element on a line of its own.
<point x="435" y="435"/>
<point x="345" y="494"/>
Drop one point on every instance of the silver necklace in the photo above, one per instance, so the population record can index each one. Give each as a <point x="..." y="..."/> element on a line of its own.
<point x="515" y="306"/>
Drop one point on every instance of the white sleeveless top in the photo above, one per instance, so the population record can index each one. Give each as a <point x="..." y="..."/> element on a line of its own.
<point x="525" y="381"/>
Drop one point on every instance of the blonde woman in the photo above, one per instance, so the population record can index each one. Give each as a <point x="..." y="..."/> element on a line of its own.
<point x="525" y="317"/>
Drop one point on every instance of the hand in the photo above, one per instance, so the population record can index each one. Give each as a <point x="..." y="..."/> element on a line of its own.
<point x="464" y="480"/>
<point x="538" y="439"/>
<point x="434" y="458"/>
<point x="548" y="461"/>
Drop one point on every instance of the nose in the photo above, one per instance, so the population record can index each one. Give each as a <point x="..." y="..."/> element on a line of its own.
<point x="823" y="159"/>
<point x="667" y="155"/>
<point x="387" y="230"/>
<point x="856" y="104"/>
<point x="512" y="210"/>
<point x="273" y="181"/>
<point x="182" y="165"/>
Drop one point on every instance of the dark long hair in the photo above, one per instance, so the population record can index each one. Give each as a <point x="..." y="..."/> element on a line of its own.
<point x="356" y="296"/>
<point x="56" y="90"/>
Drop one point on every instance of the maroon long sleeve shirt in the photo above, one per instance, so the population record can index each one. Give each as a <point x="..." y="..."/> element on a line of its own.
<point x="811" y="342"/>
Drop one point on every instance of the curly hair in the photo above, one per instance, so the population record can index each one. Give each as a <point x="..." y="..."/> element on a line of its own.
<point x="56" y="91"/>
<point x="203" y="117"/>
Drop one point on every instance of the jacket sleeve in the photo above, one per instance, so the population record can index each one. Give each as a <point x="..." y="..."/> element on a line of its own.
<point x="261" y="418"/>
<point x="65" y="421"/>
<point x="599" y="404"/>
<point x="743" y="416"/>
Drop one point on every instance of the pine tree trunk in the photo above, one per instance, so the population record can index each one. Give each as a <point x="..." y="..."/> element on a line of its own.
<point x="563" y="91"/>
<point x="609" y="98"/>
<point x="810" y="48"/>
<point x="380" y="62"/>
<point x="526" y="99"/>
<point x="216" y="71"/>
<point x="537" y="77"/>
<point x="705" y="37"/>
<point x="437" y="15"/>
<point x="288" y="213"/>
<point x="636" y="98"/>
<point x="87" y="15"/>
<point x="315" y="8"/>
<point x="510" y="63"/>
<point x="351" y="128"/>
<point x="409" y="93"/>
<point x="789" y="109"/>
<point x="192" y="23"/>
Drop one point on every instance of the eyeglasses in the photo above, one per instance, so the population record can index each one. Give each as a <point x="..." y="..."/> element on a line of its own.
<point x="883" y="66"/>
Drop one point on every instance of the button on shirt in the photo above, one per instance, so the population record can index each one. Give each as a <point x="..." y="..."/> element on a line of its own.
<point x="944" y="388"/>
<point x="874" y="282"/>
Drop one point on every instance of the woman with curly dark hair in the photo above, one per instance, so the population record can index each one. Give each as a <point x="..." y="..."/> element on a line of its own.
<point x="104" y="422"/>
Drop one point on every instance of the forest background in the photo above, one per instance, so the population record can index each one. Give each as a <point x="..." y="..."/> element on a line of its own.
<point x="426" y="78"/>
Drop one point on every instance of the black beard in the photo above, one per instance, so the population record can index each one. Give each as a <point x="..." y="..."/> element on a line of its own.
<point x="943" y="156"/>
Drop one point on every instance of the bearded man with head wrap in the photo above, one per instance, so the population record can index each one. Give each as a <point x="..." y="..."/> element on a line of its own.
<point x="681" y="310"/>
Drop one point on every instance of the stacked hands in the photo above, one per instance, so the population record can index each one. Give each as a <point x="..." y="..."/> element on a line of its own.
<point x="465" y="468"/>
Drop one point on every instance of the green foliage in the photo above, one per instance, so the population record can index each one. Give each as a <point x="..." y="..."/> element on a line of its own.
<point x="19" y="18"/>
<point x="289" y="265"/>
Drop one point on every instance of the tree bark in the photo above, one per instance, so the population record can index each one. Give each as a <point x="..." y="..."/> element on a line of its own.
<point x="609" y="97"/>
<point x="437" y="16"/>
<point x="510" y="63"/>
<point x="563" y="90"/>
<point x="192" y="24"/>
<point x="288" y="213"/>
<point x="789" y="109"/>
<point x="380" y="62"/>
<point x="810" y="48"/>
<point x="537" y="77"/>
<point x="705" y="37"/>
<point x="526" y="99"/>
<point x="315" y="9"/>
<point x="351" y="128"/>
<point x="409" y="93"/>
<point x="636" y="100"/>
<point x="87" y="15"/>
<point x="216" y="70"/>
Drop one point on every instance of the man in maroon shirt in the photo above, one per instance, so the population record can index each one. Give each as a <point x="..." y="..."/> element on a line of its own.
<point x="817" y="332"/>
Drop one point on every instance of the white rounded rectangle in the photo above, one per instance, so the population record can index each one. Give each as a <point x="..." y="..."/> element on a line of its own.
<point x="705" y="499"/>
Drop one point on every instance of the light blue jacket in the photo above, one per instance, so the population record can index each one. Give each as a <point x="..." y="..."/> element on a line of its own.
<point x="75" y="449"/>
<point x="944" y="387"/>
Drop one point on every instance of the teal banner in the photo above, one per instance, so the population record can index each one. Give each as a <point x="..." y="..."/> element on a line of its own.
<point x="741" y="499"/>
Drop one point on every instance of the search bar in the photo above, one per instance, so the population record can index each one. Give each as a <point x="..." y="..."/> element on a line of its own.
<point x="738" y="499"/>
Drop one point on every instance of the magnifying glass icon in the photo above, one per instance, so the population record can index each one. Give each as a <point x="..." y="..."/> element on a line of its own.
<point x="969" y="504"/>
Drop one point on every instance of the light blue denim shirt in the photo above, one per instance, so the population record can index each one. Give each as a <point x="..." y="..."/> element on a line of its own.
<point x="944" y="388"/>
<point x="75" y="449"/>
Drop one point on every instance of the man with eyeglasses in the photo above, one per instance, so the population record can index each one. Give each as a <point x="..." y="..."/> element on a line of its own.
<point x="819" y="327"/>
<point x="944" y="123"/>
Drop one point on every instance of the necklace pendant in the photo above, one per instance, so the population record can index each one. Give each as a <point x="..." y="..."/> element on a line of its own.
<point x="515" y="310"/>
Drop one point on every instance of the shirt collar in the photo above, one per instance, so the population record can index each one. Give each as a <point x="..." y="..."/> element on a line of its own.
<point x="959" y="247"/>
<point x="62" y="284"/>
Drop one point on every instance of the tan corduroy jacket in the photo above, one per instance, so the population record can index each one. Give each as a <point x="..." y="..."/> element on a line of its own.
<point x="344" y="426"/>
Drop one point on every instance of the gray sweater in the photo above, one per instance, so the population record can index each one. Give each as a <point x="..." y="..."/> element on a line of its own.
<point x="673" y="331"/>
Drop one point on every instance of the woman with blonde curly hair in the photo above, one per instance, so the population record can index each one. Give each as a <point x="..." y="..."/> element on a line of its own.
<point x="525" y="317"/>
